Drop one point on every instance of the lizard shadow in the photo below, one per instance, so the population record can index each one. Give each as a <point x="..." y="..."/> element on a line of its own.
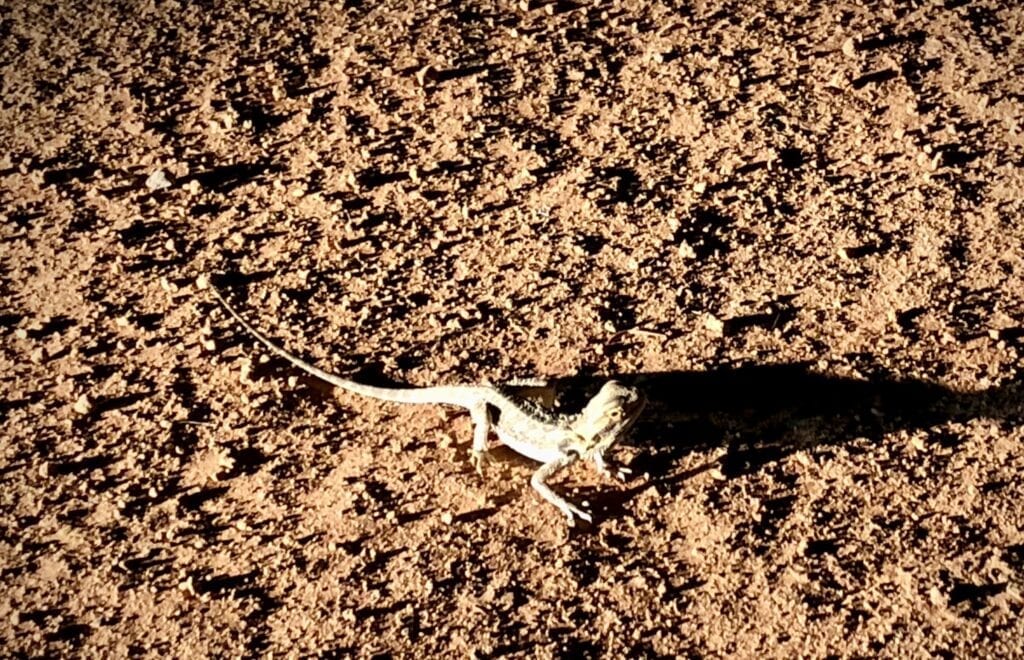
<point x="761" y="414"/>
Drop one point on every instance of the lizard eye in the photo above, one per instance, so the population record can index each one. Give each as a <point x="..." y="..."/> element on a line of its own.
<point x="615" y="413"/>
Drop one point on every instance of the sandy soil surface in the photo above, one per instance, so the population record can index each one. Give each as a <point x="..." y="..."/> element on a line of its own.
<point x="798" y="227"/>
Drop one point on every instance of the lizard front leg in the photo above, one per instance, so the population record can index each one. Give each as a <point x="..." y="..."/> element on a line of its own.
<point x="539" y="483"/>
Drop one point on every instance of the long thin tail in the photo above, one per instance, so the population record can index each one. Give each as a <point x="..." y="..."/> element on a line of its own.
<point x="435" y="395"/>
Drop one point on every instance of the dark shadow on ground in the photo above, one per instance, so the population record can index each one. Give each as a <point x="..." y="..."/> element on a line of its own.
<point x="763" y="413"/>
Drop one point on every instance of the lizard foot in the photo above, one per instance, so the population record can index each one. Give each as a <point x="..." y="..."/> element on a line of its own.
<point x="573" y="512"/>
<point x="479" y="458"/>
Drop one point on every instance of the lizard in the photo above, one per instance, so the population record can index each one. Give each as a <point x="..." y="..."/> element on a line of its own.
<point x="555" y="440"/>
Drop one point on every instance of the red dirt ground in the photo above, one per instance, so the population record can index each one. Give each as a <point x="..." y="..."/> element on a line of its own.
<point x="798" y="227"/>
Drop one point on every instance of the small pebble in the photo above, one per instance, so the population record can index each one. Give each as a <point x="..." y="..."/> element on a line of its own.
<point x="424" y="74"/>
<point x="714" y="325"/>
<point x="850" y="47"/>
<point x="157" y="180"/>
<point x="83" y="406"/>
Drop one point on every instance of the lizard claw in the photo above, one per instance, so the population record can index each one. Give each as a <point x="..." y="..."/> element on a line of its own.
<point x="572" y="513"/>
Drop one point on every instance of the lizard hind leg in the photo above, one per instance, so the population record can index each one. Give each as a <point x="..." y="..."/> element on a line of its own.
<point x="539" y="483"/>
<point x="481" y="419"/>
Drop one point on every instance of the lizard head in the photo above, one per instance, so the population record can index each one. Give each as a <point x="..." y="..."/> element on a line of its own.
<point x="609" y="414"/>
